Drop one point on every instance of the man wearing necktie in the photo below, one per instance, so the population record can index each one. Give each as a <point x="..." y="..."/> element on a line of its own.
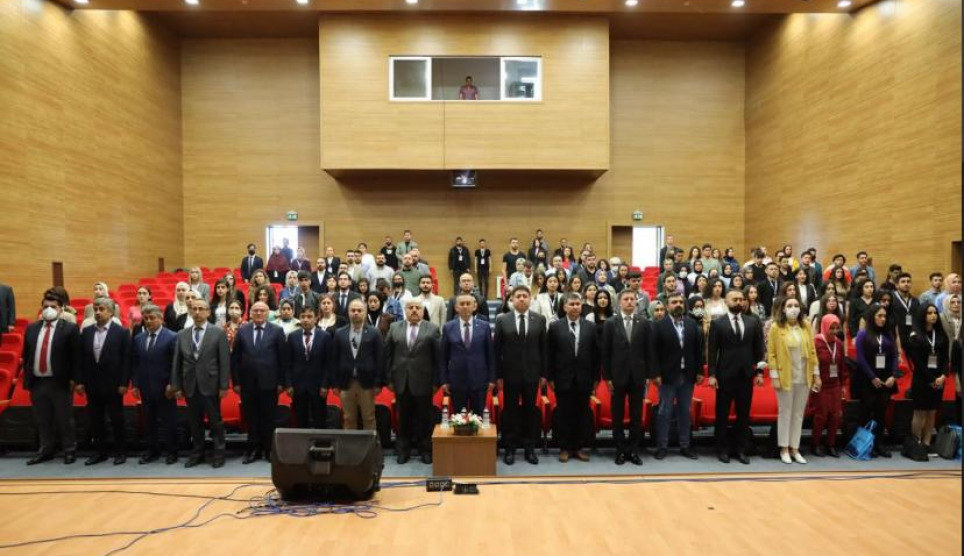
<point x="625" y="368"/>
<point x="344" y="295"/>
<point x="769" y="288"/>
<point x="105" y="376"/>
<point x="677" y="367"/>
<point x="309" y="354"/>
<point x="358" y="367"/>
<point x="202" y="367"/>
<point x="152" y="358"/>
<point x="573" y="374"/>
<point x="250" y="263"/>
<point x="412" y="366"/>
<point x="736" y="360"/>
<point x="521" y="368"/>
<point x="467" y="358"/>
<point x="258" y="362"/>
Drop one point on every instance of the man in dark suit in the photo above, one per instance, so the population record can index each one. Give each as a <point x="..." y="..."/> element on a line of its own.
<point x="344" y="295"/>
<point x="152" y="358"/>
<point x="625" y="364"/>
<point x="667" y="250"/>
<point x="459" y="262"/>
<point x="319" y="277"/>
<point x="358" y="366"/>
<point x="332" y="262"/>
<point x="769" y="288"/>
<point x="465" y="286"/>
<point x="521" y="368"/>
<point x="259" y="358"/>
<point x="412" y="363"/>
<point x="250" y="263"/>
<point x="736" y="360"/>
<point x="905" y="308"/>
<point x="202" y="366"/>
<point x="483" y="266"/>
<point x="467" y="357"/>
<point x="8" y="309"/>
<point x="573" y="374"/>
<point x="51" y="364"/>
<point x="677" y="367"/>
<point x="309" y="361"/>
<point x="104" y="378"/>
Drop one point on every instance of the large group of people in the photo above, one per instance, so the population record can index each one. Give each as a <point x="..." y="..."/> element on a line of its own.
<point x="568" y="320"/>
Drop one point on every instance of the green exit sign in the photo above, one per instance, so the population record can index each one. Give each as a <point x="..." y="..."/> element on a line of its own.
<point x="292" y="215"/>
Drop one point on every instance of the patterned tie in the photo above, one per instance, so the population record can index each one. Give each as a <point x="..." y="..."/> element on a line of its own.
<point x="45" y="349"/>
<point x="575" y="337"/>
<point x="412" y="332"/>
<point x="307" y="344"/>
<point x="150" y="341"/>
<point x="466" y="338"/>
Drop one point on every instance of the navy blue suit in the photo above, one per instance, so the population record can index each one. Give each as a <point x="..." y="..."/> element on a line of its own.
<point x="259" y="370"/>
<point x="468" y="371"/>
<point x="102" y="380"/>
<point x="677" y="362"/>
<point x="307" y="373"/>
<point x="151" y="372"/>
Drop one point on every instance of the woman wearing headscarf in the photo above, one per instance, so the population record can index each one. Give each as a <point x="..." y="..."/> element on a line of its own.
<point x="828" y="402"/>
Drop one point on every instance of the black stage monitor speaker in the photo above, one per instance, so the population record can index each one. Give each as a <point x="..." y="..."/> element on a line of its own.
<point x="326" y="464"/>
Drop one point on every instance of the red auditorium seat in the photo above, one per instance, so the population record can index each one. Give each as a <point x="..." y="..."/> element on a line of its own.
<point x="604" y="414"/>
<point x="763" y="408"/>
<point x="386" y="398"/>
<point x="20" y="325"/>
<point x="277" y="290"/>
<point x="10" y="362"/>
<point x="12" y="341"/>
<point x="231" y="409"/>
<point x="221" y="271"/>
<point x="431" y="270"/>
<point x="78" y="303"/>
<point x="6" y="389"/>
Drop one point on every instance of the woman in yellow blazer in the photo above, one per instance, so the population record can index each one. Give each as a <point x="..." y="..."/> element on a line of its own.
<point x="794" y="372"/>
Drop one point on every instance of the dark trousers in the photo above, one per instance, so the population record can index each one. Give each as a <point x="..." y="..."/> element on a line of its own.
<point x="618" y="405"/>
<point x="311" y="411"/>
<point x="680" y="391"/>
<point x="160" y="414"/>
<point x="573" y="420"/>
<point x="198" y="407"/>
<point x="415" y="422"/>
<point x="520" y="424"/>
<point x="828" y="413"/>
<point x="733" y="391"/>
<point x="456" y="274"/>
<point x="259" y="408"/>
<point x="484" y="287"/>
<point x="110" y="405"/>
<point x="472" y="400"/>
<point x="873" y="405"/>
<point x="52" y="405"/>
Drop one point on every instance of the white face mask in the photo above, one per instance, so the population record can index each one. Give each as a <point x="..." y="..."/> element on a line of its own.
<point x="49" y="314"/>
<point x="698" y="313"/>
<point x="682" y="274"/>
<point x="793" y="313"/>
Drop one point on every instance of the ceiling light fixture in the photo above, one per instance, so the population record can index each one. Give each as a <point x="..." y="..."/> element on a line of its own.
<point x="632" y="3"/>
<point x="738" y="3"/>
<point x="844" y="4"/>
<point x="82" y="2"/>
<point x="303" y="2"/>
<point x="411" y="2"/>
<point x="192" y="2"/>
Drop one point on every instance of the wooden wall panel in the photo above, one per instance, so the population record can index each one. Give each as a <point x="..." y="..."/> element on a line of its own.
<point x="854" y="133"/>
<point x="90" y="148"/>
<point x="362" y="129"/>
<point x="676" y="127"/>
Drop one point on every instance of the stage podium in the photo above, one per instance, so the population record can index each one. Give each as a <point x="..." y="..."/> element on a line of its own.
<point x="464" y="456"/>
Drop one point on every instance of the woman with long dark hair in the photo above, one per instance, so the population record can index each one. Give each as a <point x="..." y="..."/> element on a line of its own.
<point x="875" y="379"/>
<point x="928" y="351"/>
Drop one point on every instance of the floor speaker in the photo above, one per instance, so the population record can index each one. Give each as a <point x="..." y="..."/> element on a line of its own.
<point x="326" y="464"/>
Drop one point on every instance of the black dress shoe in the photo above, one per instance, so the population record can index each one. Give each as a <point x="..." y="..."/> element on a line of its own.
<point x="170" y="459"/>
<point x="832" y="452"/>
<point x="531" y="457"/>
<point x="741" y="457"/>
<point x="635" y="459"/>
<point x="193" y="461"/>
<point x="724" y="458"/>
<point x="688" y="454"/>
<point x="819" y="452"/>
<point x="70" y="457"/>
<point x="620" y="459"/>
<point x="217" y="463"/>
<point x="509" y="457"/>
<point x="149" y="457"/>
<point x="402" y="458"/>
<point x="660" y="453"/>
<point x="427" y="458"/>
<point x="251" y="457"/>
<point x="94" y="460"/>
<point x="120" y="459"/>
<point x="40" y="459"/>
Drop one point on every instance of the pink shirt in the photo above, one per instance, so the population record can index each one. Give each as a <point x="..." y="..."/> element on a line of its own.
<point x="468" y="92"/>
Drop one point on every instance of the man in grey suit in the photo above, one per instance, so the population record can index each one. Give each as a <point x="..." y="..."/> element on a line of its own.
<point x="202" y="365"/>
<point x="8" y="308"/>
<point x="412" y="363"/>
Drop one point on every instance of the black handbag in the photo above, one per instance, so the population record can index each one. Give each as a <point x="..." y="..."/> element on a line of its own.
<point x="914" y="449"/>
<point x="948" y="439"/>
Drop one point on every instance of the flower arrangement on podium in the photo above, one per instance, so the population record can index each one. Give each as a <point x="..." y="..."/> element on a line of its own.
<point x="465" y="423"/>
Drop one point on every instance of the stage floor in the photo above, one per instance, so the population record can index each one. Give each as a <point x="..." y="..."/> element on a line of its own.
<point x="910" y="513"/>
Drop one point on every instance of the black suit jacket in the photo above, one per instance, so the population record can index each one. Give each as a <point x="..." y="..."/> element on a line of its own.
<point x="457" y="266"/>
<point x="343" y="311"/>
<point x="768" y="294"/>
<point x="729" y="356"/>
<point x="483" y="261"/>
<point x="64" y="352"/>
<point x="625" y="362"/>
<point x="312" y="370"/>
<point x="114" y="368"/>
<point x="481" y="310"/>
<point x="262" y="366"/>
<point x="520" y="359"/>
<point x="370" y="362"/>
<point x="318" y="284"/>
<point x="567" y="369"/>
<point x="151" y="370"/>
<point x="667" y="352"/>
<point x="247" y="270"/>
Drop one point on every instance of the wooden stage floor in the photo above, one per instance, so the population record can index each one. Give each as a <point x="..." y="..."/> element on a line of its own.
<point x="909" y="514"/>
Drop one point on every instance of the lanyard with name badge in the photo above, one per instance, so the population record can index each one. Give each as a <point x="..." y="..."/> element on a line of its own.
<point x="909" y="319"/>
<point x="932" y="358"/>
<point x="881" y="362"/>
<point x="834" y="371"/>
